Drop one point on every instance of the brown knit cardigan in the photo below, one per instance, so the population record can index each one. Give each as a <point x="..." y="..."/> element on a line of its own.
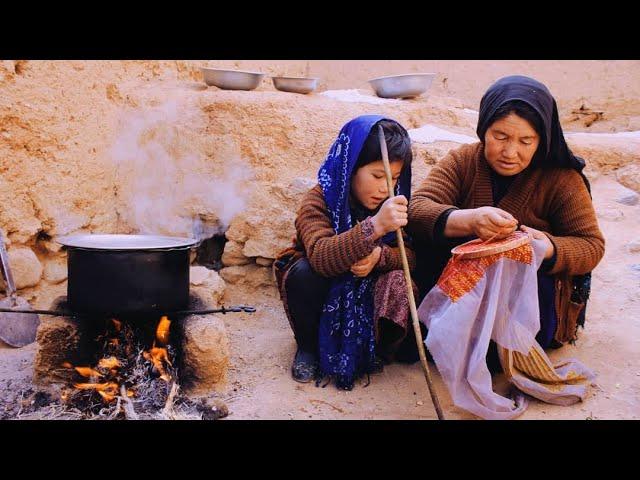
<point x="331" y="255"/>
<point x="555" y="201"/>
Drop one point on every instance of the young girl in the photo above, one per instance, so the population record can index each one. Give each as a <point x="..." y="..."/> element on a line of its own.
<point x="342" y="282"/>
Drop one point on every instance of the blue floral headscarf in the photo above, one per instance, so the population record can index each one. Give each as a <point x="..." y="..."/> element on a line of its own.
<point x="346" y="333"/>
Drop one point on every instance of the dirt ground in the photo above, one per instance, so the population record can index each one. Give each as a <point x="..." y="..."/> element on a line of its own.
<point x="259" y="384"/>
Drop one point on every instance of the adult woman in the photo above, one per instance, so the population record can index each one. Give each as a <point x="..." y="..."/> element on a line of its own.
<point x="341" y="282"/>
<point x="520" y="173"/>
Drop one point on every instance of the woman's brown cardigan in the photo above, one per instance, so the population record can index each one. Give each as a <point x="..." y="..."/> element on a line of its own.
<point x="554" y="200"/>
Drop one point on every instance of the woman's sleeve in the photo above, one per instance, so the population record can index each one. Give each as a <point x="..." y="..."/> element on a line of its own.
<point x="329" y="254"/>
<point x="578" y="241"/>
<point x="439" y="192"/>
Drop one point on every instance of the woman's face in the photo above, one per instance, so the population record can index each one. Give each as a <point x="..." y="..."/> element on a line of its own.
<point x="369" y="183"/>
<point x="509" y="145"/>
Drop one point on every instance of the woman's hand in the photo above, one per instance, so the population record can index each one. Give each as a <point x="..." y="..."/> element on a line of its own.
<point x="363" y="267"/>
<point x="391" y="216"/>
<point x="539" y="235"/>
<point x="492" y="223"/>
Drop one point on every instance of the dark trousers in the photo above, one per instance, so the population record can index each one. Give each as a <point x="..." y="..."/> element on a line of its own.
<point x="306" y="293"/>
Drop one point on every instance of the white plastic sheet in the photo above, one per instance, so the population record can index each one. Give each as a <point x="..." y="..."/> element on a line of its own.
<point x="502" y="306"/>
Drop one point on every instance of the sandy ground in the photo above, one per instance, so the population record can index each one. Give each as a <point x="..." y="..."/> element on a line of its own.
<point x="259" y="385"/>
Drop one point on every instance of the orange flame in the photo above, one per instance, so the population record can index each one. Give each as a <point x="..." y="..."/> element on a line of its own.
<point x="88" y="372"/>
<point x="162" y="332"/>
<point x="108" y="390"/>
<point x="156" y="356"/>
<point x="108" y="397"/>
<point x="66" y="365"/>
<point x="117" y="324"/>
<point x="101" y="387"/>
<point x="110" y="363"/>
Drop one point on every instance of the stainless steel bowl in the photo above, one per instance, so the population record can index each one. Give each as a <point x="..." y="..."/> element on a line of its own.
<point x="402" y="86"/>
<point x="231" y="79"/>
<point x="295" y="84"/>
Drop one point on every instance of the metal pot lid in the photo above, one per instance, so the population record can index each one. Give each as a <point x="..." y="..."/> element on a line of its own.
<point x="125" y="242"/>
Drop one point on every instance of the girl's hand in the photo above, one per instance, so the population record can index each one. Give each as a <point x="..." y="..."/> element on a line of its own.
<point x="363" y="267"/>
<point x="391" y="216"/>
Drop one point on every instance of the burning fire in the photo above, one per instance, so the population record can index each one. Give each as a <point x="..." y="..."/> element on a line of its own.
<point x="88" y="372"/>
<point x="110" y="363"/>
<point x="158" y="356"/>
<point x="162" y="332"/>
<point x="108" y="391"/>
<point x="106" y="377"/>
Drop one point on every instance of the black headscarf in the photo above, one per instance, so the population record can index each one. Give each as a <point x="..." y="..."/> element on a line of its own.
<point x="517" y="87"/>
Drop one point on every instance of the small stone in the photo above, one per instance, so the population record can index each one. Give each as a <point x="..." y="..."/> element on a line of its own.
<point x="420" y="402"/>
<point x="634" y="247"/>
<point x="207" y="284"/>
<point x="264" y="262"/>
<point x="630" y="198"/>
<point x="617" y="385"/>
<point x="25" y="266"/>
<point x="197" y="275"/>
<point x="51" y="246"/>
<point x="252" y="275"/>
<point x="213" y="409"/>
<point x="55" y="271"/>
<point x="233" y="256"/>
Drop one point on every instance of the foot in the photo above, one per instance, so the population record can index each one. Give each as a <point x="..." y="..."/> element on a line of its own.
<point x="305" y="366"/>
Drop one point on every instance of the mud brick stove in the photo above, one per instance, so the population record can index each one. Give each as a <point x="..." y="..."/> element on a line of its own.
<point x="127" y="290"/>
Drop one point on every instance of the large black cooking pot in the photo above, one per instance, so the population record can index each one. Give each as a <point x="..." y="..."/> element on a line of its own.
<point x="127" y="274"/>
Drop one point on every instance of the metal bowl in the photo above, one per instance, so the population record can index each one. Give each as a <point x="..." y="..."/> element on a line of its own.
<point x="402" y="86"/>
<point x="295" y="84"/>
<point x="125" y="242"/>
<point x="231" y="79"/>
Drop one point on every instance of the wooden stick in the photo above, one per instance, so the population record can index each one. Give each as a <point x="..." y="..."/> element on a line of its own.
<point x="129" y="410"/>
<point x="167" y="411"/>
<point x="407" y="277"/>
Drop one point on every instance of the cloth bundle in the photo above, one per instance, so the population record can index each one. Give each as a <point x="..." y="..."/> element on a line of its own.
<point x="495" y="298"/>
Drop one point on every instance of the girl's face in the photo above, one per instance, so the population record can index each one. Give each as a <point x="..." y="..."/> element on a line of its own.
<point x="509" y="145"/>
<point x="369" y="183"/>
